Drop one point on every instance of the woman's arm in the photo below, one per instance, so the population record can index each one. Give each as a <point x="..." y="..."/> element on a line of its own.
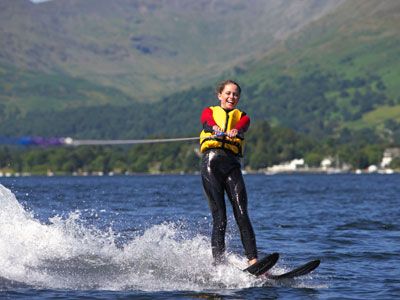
<point x="209" y="124"/>
<point x="243" y="123"/>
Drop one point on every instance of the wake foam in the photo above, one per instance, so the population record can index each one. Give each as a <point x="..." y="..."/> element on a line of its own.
<point x="67" y="254"/>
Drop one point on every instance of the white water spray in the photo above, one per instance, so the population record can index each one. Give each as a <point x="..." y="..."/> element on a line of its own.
<point x="65" y="254"/>
<point x="68" y="255"/>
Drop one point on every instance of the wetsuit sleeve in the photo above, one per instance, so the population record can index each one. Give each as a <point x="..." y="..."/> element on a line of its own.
<point x="207" y="120"/>
<point x="243" y="124"/>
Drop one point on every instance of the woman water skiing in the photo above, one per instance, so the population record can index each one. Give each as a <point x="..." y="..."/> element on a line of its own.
<point x="221" y="145"/>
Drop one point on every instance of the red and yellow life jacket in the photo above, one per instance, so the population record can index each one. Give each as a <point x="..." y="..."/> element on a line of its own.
<point x="226" y="121"/>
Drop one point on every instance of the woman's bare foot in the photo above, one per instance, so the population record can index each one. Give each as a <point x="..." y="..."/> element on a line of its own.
<point x="252" y="261"/>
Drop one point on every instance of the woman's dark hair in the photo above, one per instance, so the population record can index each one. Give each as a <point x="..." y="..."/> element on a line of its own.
<point x="222" y="85"/>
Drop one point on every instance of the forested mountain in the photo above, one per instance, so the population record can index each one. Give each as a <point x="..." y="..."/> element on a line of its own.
<point x="71" y="53"/>
<point x="339" y="72"/>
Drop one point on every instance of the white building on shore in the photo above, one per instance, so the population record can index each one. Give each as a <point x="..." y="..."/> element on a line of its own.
<point x="388" y="155"/>
<point x="291" y="166"/>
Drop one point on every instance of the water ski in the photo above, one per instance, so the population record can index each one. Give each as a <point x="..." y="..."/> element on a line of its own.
<point x="263" y="265"/>
<point x="299" y="271"/>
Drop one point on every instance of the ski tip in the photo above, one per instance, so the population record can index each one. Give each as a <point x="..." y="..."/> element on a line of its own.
<point x="299" y="271"/>
<point x="312" y="265"/>
<point x="316" y="262"/>
<point x="274" y="255"/>
<point x="263" y="264"/>
<point x="272" y="258"/>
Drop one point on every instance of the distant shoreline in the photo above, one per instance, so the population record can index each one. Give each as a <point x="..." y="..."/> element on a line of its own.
<point x="245" y="172"/>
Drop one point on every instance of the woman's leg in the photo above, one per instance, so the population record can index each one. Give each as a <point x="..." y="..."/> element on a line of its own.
<point x="236" y="190"/>
<point x="214" y="190"/>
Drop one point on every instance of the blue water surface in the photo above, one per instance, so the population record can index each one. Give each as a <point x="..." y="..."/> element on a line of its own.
<point x="147" y="237"/>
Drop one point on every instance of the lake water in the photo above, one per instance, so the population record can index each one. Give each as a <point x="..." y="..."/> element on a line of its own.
<point x="148" y="237"/>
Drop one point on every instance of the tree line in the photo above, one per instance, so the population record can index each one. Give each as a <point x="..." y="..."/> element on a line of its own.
<point x="265" y="146"/>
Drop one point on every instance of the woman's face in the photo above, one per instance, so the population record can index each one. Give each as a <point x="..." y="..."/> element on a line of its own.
<point x="229" y="96"/>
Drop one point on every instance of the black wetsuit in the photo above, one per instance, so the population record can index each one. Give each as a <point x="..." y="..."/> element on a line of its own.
<point x="221" y="172"/>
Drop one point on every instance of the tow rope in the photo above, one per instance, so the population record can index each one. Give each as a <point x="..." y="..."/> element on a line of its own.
<point x="68" y="141"/>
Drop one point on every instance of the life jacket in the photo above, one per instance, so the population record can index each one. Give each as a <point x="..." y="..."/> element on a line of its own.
<point x="226" y="121"/>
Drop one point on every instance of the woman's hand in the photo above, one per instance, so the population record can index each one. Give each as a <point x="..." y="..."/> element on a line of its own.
<point x="232" y="133"/>
<point x="217" y="129"/>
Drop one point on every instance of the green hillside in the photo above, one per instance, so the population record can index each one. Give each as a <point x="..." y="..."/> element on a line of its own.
<point x="142" y="49"/>
<point x="22" y="91"/>
<point x="339" y="73"/>
<point x="332" y="73"/>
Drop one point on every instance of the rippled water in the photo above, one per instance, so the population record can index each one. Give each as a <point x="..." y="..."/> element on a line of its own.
<point x="148" y="237"/>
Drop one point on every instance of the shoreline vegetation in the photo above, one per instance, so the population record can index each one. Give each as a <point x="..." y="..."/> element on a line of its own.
<point x="268" y="150"/>
<point x="60" y="163"/>
<point x="310" y="171"/>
